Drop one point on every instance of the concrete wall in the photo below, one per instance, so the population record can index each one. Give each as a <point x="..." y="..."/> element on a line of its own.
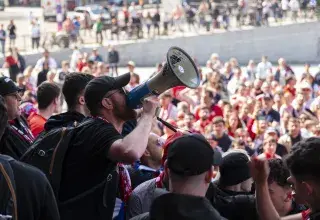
<point x="298" y="43"/>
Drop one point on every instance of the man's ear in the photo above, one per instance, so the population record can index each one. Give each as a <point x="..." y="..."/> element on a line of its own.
<point x="308" y="187"/>
<point x="209" y="175"/>
<point x="146" y="153"/>
<point x="81" y="100"/>
<point x="107" y="103"/>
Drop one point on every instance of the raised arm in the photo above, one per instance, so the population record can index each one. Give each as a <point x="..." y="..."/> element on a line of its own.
<point x="132" y="147"/>
<point x="260" y="172"/>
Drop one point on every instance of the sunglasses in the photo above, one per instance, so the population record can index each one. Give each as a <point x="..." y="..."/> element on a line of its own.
<point x="122" y="91"/>
<point x="15" y="95"/>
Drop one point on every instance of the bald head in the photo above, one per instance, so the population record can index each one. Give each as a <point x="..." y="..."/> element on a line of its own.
<point x="153" y="140"/>
<point x="153" y="154"/>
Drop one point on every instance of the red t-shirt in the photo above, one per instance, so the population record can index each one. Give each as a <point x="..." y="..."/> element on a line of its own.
<point x="11" y="61"/>
<point x="36" y="123"/>
<point x="80" y="65"/>
<point x="176" y="90"/>
<point x="215" y="111"/>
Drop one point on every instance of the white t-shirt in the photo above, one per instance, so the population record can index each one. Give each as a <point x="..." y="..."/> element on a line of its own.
<point x="52" y="63"/>
<point x="262" y="69"/>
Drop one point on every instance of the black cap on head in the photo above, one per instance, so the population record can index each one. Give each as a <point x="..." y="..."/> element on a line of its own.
<point x="268" y="96"/>
<point x="234" y="169"/>
<point x="7" y="86"/>
<point x="97" y="88"/>
<point x="191" y="155"/>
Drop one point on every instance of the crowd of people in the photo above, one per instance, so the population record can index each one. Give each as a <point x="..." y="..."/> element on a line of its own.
<point x="258" y="124"/>
<point x="134" y="22"/>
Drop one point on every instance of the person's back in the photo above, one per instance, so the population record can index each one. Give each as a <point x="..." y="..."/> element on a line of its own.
<point x="35" y="198"/>
<point x="190" y="172"/>
<point x="30" y="190"/>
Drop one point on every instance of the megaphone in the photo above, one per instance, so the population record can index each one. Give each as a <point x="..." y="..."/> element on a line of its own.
<point x="179" y="70"/>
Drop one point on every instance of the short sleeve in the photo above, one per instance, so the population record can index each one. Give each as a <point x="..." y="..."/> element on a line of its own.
<point x="96" y="138"/>
<point x="103" y="136"/>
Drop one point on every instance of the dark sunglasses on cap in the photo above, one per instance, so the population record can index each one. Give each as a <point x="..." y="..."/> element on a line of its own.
<point x="121" y="91"/>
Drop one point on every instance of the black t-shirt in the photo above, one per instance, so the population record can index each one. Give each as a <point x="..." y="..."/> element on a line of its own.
<point x="86" y="165"/>
<point x="86" y="162"/>
<point x="42" y="76"/>
<point x="224" y="142"/>
<point x="35" y="197"/>
<point x="296" y="139"/>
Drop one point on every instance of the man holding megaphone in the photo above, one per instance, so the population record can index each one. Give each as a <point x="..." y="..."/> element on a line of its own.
<point x="92" y="161"/>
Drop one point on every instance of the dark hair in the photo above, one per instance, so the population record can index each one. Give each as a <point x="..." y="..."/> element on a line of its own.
<point x="289" y="78"/>
<point x="279" y="173"/>
<point x="46" y="94"/>
<point x="218" y="119"/>
<point x="303" y="159"/>
<point x="73" y="86"/>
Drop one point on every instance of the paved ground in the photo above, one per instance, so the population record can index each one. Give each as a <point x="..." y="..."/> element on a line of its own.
<point x="23" y="42"/>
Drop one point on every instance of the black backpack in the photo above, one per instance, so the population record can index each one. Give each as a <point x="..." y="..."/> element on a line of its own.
<point x="48" y="152"/>
<point x="8" y="197"/>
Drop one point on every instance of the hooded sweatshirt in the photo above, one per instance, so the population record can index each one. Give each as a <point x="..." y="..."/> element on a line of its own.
<point x="66" y="119"/>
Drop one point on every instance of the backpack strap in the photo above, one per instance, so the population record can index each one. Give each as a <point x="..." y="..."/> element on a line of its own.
<point x="7" y="185"/>
<point x="55" y="169"/>
<point x="56" y="165"/>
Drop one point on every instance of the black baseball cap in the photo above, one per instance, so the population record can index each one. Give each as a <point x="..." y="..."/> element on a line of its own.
<point x="268" y="96"/>
<point x="7" y="86"/>
<point x="98" y="87"/>
<point x="234" y="168"/>
<point x="191" y="155"/>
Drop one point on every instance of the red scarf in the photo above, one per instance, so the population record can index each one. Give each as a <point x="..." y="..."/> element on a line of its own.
<point x="125" y="183"/>
<point x="124" y="177"/>
<point x="24" y="133"/>
<point x="159" y="181"/>
<point x="306" y="214"/>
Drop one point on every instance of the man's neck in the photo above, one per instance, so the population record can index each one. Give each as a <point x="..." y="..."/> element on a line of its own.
<point x="116" y="122"/>
<point x="295" y="136"/>
<point x="219" y="136"/>
<point x="235" y="188"/>
<point x="165" y="106"/>
<point x="46" y="113"/>
<point x="78" y="109"/>
<point x="152" y="164"/>
<point x="188" y="189"/>
<point x="267" y="110"/>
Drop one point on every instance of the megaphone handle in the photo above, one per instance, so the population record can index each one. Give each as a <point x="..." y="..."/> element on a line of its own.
<point x="168" y="125"/>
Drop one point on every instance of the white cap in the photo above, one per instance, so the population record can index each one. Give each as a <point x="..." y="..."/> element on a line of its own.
<point x="305" y="85"/>
<point x="131" y="63"/>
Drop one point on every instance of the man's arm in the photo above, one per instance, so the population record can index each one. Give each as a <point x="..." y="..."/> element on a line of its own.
<point x="132" y="147"/>
<point x="260" y="172"/>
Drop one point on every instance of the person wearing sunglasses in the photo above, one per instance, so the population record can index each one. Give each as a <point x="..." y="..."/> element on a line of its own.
<point x="17" y="137"/>
<point x="98" y="149"/>
<point x="34" y="199"/>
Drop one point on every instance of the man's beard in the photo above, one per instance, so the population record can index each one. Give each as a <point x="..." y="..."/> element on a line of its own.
<point x="124" y="114"/>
